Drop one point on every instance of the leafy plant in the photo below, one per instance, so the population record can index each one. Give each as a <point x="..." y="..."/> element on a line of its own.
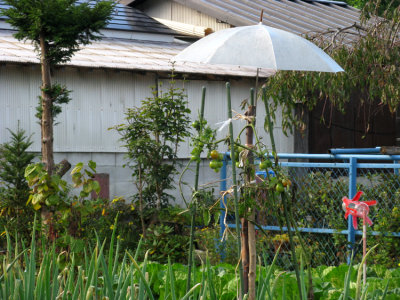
<point x="162" y="243"/>
<point x="151" y="135"/>
<point x="52" y="192"/>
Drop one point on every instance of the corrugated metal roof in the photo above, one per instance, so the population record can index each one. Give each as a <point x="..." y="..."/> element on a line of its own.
<point x="128" y="19"/>
<point x="296" y="16"/>
<point x="122" y="54"/>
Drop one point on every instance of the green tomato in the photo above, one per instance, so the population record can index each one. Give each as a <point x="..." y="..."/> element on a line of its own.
<point x="193" y="157"/>
<point x="263" y="165"/>
<point x="196" y="125"/>
<point x="220" y="156"/>
<point x="213" y="164"/>
<point x="220" y="163"/>
<point x="279" y="188"/>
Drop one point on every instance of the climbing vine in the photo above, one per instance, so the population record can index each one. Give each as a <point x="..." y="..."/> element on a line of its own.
<point x="369" y="53"/>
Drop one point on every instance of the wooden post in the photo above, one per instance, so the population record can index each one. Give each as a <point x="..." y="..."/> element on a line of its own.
<point x="104" y="181"/>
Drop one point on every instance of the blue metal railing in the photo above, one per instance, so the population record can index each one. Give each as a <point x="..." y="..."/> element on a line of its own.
<point x="350" y="160"/>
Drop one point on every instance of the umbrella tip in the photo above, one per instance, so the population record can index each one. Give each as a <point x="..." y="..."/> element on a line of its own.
<point x="261" y="16"/>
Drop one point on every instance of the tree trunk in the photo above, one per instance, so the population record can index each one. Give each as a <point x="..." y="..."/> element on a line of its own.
<point x="62" y="168"/>
<point x="46" y="124"/>
<point x="47" y="105"/>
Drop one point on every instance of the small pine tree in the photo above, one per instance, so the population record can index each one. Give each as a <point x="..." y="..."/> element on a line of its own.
<point x="14" y="190"/>
<point x="14" y="158"/>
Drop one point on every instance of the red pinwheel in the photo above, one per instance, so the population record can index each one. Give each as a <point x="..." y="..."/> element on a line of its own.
<point x="357" y="209"/>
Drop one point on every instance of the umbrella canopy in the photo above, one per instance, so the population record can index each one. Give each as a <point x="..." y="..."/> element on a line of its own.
<point x="259" y="46"/>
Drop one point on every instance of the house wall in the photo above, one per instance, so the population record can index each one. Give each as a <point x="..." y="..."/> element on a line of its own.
<point x="100" y="98"/>
<point x="170" y="10"/>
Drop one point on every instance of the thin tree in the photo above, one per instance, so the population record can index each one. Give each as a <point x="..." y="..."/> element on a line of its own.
<point x="57" y="28"/>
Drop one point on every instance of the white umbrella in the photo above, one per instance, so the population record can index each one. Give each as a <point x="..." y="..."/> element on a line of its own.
<point x="259" y="46"/>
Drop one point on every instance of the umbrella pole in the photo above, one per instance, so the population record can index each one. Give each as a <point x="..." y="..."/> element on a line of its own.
<point x="235" y="191"/>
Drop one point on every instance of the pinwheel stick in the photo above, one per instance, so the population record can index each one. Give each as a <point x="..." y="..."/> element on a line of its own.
<point x="364" y="238"/>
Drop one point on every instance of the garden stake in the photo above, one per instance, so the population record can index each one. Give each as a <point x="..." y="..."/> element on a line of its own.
<point x="194" y="204"/>
<point x="364" y="238"/>
<point x="251" y="236"/>
<point x="235" y="192"/>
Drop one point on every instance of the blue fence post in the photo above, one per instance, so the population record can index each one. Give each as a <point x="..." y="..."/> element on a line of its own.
<point x="352" y="192"/>
<point x="222" y="186"/>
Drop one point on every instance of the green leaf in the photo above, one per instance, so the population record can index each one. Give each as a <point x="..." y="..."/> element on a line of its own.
<point x="96" y="186"/>
<point x="30" y="169"/>
<point x="206" y="217"/>
<point x="77" y="168"/>
<point x="90" y="174"/>
<point x="87" y="187"/>
<point x="92" y="165"/>
<point x="77" y="179"/>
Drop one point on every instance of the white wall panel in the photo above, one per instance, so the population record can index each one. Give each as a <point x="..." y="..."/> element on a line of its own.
<point x="99" y="101"/>
<point x="216" y="111"/>
<point x="170" y="10"/>
<point x="18" y="101"/>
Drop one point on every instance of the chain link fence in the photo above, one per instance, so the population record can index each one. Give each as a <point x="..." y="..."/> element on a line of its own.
<point x="316" y="205"/>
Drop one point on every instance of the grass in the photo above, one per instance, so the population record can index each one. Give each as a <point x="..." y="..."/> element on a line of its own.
<point x="42" y="273"/>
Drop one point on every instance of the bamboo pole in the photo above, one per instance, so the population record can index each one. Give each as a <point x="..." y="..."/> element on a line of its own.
<point x="194" y="205"/>
<point x="235" y="191"/>
<point x="252" y="255"/>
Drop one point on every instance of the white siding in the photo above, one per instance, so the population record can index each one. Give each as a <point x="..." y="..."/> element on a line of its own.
<point x="170" y="10"/>
<point x="19" y="90"/>
<point x="99" y="100"/>
<point x="216" y="111"/>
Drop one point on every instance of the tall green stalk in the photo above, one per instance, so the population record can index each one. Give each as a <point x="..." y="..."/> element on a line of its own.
<point x="283" y="196"/>
<point x="235" y="191"/>
<point x="194" y="204"/>
<point x="270" y="127"/>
